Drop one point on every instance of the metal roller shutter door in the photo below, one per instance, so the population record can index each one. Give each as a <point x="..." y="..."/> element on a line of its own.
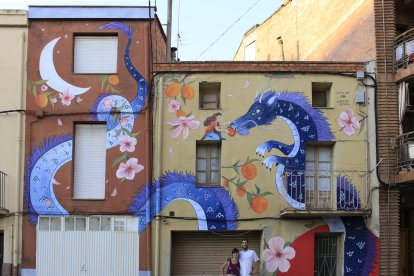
<point x="203" y="253"/>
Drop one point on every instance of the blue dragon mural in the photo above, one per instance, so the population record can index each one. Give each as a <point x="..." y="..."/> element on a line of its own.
<point x="214" y="208"/>
<point x="46" y="159"/>
<point x="307" y="125"/>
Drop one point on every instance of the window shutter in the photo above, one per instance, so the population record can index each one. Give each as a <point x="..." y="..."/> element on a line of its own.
<point x="90" y="161"/>
<point x="95" y="54"/>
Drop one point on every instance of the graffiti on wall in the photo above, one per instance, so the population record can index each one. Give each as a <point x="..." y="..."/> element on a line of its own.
<point x="118" y="112"/>
<point x="213" y="206"/>
<point x="306" y="125"/>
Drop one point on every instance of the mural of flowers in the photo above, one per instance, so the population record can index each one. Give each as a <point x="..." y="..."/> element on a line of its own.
<point x="277" y="256"/>
<point x="348" y="122"/>
<point x="127" y="143"/>
<point x="129" y="169"/>
<point x="248" y="171"/>
<point x="109" y="82"/>
<point x="44" y="95"/>
<point x="66" y="97"/>
<point x="180" y="92"/>
<point x="183" y="125"/>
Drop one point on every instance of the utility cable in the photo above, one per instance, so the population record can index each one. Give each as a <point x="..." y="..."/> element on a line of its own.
<point x="214" y="42"/>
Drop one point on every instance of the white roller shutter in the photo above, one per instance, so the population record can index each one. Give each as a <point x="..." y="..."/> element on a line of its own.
<point x="89" y="161"/>
<point x="95" y="54"/>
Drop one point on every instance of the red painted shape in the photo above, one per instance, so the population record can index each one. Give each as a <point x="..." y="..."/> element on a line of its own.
<point x="304" y="245"/>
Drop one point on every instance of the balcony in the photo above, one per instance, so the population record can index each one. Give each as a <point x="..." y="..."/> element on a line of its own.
<point x="3" y="210"/>
<point x="327" y="193"/>
<point x="404" y="55"/>
<point x="405" y="157"/>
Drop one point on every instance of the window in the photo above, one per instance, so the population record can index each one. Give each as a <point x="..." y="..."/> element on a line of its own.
<point x="208" y="163"/>
<point x="318" y="176"/>
<point x="321" y="94"/>
<point x="89" y="161"/>
<point x="95" y="54"/>
<point x="49" y="223"/>
<point x="326" y="252"/>
<point x="209" y="95"/>
<point x="250" y="52"/>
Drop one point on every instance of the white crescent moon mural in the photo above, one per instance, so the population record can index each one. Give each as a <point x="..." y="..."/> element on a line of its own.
<point x="48" y="71"/>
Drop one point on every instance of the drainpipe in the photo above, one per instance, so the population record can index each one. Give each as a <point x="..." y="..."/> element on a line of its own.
<point x="157" y="164"/>
<point x="18" y="173"/>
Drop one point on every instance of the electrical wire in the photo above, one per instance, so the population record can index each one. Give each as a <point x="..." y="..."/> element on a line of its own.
<point x="214" y="42"/>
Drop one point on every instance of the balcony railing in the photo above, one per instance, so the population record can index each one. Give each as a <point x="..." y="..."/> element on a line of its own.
<point x="2" y="190"/>
<point x="404" y="50"/>
<point x="405" y="151"/>
<point x="326" y="192"/>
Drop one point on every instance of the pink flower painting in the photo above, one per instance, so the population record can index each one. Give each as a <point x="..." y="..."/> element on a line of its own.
<point x="44" y="88"/>
<point x="183" y="125"/>
<point x="129" y="169"/>
<point x="127" y="143"/>
<point x="174" y="106"/>
<point x="66" y="97"/>
<point x="124" y="121"/>
<point x="277" y="257"/>
<point x="348" y="122"/>
<point x="108" y="103"/>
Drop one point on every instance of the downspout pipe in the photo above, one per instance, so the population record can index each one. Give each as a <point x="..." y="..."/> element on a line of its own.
<point x="19" y="171"/>
<point x="157" y="162"/>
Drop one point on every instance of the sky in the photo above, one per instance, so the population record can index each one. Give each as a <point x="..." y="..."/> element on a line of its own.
<point x="199" y="23"/>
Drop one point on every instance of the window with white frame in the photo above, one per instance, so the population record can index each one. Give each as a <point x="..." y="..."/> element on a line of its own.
<point x="95" y="54"/>
<point x="326" y="254"/>
<point x="209" y="95"/>
<point x="318" y="176"/>
<point x="89" y="161"/>
<point x="88" y="224"/>
<point x="208" y="163"/>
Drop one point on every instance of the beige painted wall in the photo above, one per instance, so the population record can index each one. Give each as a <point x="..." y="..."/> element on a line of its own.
<point x="237" y="93"/>
<point x="13" y="35"/>
<point x="333" y="30"/>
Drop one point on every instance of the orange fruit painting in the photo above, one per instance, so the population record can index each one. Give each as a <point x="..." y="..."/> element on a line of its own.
<point x="249" y="171"/>
<point x="41" y="100"/>
<point x="225" y="183"/>
<point x="231" y="132"/>
<point x="241" y="191"/>
<point x="188" y="92"/>
<point x="180" y="113"/>
<point x="259" y="204"/>
<point x="113" y="79"/>
<point x="173" y="89"/>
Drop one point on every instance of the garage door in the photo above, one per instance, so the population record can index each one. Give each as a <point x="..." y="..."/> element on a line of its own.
<point x="203" y="252"/>
<point x="98" y="245"/>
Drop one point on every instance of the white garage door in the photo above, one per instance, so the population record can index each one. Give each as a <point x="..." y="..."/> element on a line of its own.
<point x="98" y="245"/>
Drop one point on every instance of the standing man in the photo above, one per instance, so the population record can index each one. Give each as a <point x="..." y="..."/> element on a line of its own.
<point x="248" y="259"/>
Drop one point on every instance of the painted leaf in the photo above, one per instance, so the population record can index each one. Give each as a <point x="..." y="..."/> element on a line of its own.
<point x="135" y="134"/>
<point x="183" y="99"/>
<point x="257" y="189"/>
<point x="120" y="159"/>
<point x="34" y="90"/>
<point x="249" y="199"/>
<point x="265" y="194"/>
<point x="40" y="82"/>
<point x="118" y="132"/>
<point x="235" y="169"/>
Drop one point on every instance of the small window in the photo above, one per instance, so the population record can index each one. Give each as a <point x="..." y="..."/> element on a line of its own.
<point x="49" y="224"/>
<point x="208" y="163"/>
<point x="119" y="224"/>
<point x="326" y="254"/>
<point x="321" y="94"/>
<point x="250" y="52"/>
<point x="89" y="161"/>
<point x="209" y="95"/>
<point x="95" y="54"/>
<point x="318" y="176"/>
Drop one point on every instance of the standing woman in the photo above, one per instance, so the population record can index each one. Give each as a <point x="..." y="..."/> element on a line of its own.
<point x="233" y="265"/>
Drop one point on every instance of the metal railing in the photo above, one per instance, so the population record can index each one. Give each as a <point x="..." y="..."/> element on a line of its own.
<point x="404" y="145"/>
<point x="327" y="190"/>
<point x="2" y="190"/>
<point x="404" y="50"/>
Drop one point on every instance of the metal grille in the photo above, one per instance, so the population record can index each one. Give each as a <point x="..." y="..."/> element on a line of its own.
<point x="2" y="190"/>
<point x="326" y="248"/>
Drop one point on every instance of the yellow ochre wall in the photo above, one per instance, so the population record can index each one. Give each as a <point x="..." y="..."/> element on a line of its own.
<point x="349" y="153"/>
